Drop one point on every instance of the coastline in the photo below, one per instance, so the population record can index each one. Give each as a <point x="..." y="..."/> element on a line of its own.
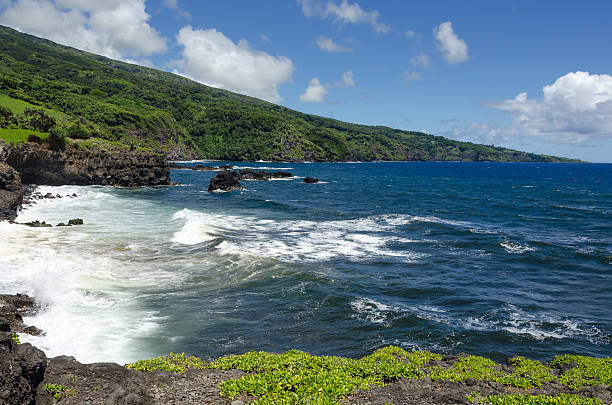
<point x="387" y="375"/>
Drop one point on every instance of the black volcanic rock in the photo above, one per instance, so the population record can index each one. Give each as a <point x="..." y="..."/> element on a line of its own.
<point x="11" y="192"/>
<point x="22" y="369"/>
<point x="50" y="164"/>
<point x="311" y="180"/>
<point x="226" y="180"/>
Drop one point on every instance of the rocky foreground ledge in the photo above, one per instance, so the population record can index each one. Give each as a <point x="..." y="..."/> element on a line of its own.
<point x="51" y="162"/>
<point x="389" y="375"/>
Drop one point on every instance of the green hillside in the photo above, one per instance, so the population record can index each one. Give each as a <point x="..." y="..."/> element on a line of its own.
<point x="92" y="96"/>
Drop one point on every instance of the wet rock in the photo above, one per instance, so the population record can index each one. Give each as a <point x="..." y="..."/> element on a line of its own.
<point x="226" y="167"/>
<point x="311" y="180"/>
<point x="251" y="174"/>
<point x="11" y="192"/>
<point x="22" y="369"/>
<point x="12" y="309"/>
<point x="76" y="221"/>
<point x="37" y="224"/>
<point x="48" y="195"/>
<point x="204" y="168"/>
<point x="225" y="181"/>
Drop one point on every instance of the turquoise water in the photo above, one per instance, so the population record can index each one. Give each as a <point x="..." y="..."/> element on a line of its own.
<point x="498" y="259"/>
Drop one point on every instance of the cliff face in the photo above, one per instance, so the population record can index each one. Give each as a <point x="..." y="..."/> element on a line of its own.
<point x="39" y="164"/>
<point x="50" y="163"/>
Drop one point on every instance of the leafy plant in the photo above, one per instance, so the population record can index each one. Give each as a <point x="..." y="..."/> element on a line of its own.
<point x="585" y="370"/>
<point x="55" y="390"/>
<point x="15" y="338"/>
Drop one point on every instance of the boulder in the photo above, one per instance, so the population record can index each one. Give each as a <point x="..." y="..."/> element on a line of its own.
<point x="311" y="180"/>
<point x="225" y="181"/>
<point x="22" y="369"/>
<point x="76" y="221"/>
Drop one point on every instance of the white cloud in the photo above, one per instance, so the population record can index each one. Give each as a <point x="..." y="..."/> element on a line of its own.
<point x="348" y="79"/>
<point x="210" y="57"/>
<point x="344" y="13"/>
<point x="411" y="75"/>
<point x="315" y="92"/>
<point x="328" y="44"/>
<point x="264" y="37"/>
<point x="576" y="108"/>
<point x="453" y="48"/>
<point x="409" y="34"/>
<point x="421" y="60"/>
<point x="114" y="28"/>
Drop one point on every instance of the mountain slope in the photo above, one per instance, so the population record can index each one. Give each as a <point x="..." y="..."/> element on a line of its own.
<point x="103" y="98"/>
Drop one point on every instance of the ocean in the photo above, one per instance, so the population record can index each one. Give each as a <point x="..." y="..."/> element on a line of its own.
<point x="496" y="259"/>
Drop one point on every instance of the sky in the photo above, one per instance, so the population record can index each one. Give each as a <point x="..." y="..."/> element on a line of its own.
<point x="529" y="75"/>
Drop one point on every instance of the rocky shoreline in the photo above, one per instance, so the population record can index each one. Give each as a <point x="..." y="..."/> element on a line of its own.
<point x="28" y="377"/>
<point x="51" y="162"/>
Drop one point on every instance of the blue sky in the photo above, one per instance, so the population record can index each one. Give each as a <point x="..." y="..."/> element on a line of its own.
<point x="530" y="75"/>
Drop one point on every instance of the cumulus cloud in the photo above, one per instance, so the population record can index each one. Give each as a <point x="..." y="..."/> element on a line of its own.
<point x="421" y="60"/>
<point x="211" y="58"/>
<point x="453" y="48"/>
<point x="118" y="29"/>
<point x="576" y="108"/>
<point x="315" y="92"/>
<point x="344" y="13"/>
<point x="328" y="44"/>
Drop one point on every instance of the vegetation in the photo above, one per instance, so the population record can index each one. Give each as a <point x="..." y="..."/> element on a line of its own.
<point x="90" y="96"/>
<point x="15" y="338"/>
<point x="55" y="390"/>
<point x="584" y="370"/>
<point x="296" y="377"/>
<point x="563" y="399"/>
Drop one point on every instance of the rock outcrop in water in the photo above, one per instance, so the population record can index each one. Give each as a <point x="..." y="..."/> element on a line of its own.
<point x="227" y="180"/>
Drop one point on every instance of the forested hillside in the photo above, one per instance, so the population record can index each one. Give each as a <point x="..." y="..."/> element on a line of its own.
<point x="90" y="96"/>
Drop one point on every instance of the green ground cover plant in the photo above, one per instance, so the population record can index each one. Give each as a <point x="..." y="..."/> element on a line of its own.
<point x="298" y="377"/>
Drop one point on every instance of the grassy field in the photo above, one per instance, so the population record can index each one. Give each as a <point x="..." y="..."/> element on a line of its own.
<point x="18" y="107"/>
<point x="18" y="135"/>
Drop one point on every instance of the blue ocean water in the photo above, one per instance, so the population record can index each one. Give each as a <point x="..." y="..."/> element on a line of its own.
<point x="497" y="259"/>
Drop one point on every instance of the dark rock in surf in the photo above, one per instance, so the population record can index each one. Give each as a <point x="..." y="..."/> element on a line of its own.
<point x="225" y="181"/>
<point x="12" y="309"/>
<point x="11" y="192"/>
<point x="251" y="174"/>
<point x="311" y="180"/>
<point x="37" y="224"/>
<point x="75" y="221"/>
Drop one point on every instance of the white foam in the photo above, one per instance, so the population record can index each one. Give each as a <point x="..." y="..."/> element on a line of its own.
<point x="195" y="230"/>
<point x="516" y="248"/>
<point x="372" y="311"/>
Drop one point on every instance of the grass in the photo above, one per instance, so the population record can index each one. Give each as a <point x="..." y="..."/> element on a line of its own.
<point x="19" y="106"/>
<point x="19" y="135"/>
<point x="297" y="377"/>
